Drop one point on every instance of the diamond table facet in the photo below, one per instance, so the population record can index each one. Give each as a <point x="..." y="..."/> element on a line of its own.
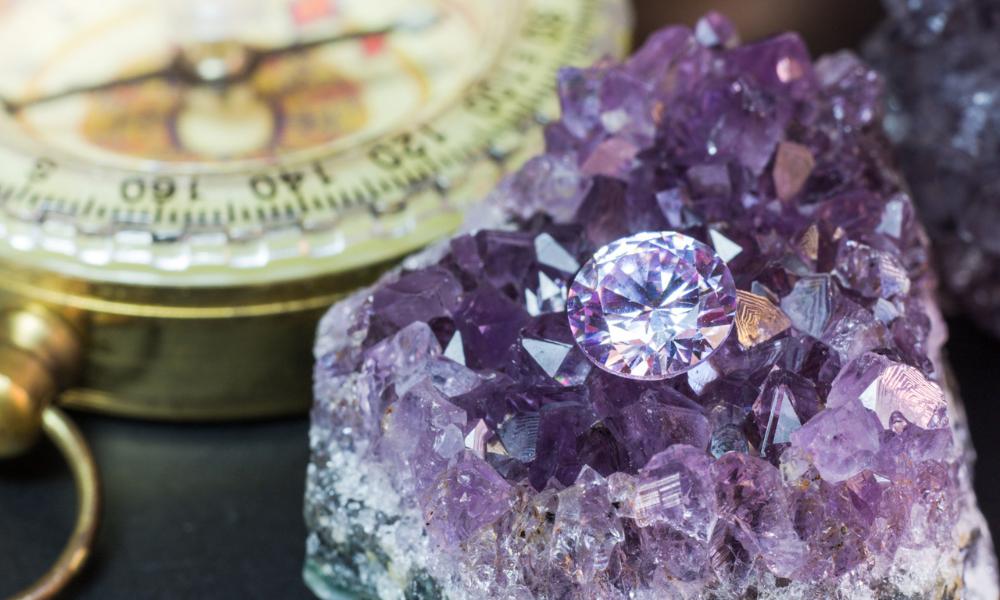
<point x="652" y="305"/>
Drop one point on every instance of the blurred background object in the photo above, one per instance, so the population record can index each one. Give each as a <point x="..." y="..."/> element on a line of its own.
<point x="826" y="25"/>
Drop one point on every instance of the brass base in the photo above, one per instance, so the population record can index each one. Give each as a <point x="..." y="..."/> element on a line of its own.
<point x="187" y="354"/>
<point x="196" y="369"/>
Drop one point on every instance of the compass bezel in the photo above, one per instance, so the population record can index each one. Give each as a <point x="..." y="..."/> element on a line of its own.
<point x="321" y="215"/>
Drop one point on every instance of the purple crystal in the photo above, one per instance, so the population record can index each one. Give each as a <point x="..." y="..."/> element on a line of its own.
<point x="750" y="495"/>
<point x="418" y="296"/>
<point x="887" y="387"/>
<point x="423" y="434"/>
<point x="468" y="496"/>
<point x="652" y="305"/>
<point x="649" y="426"/>
<point x="489" y="323"/>
<point x="840" y="441"/>
<point x="674" y="488"/>
<point x="546" y="353"/>
<point x="785" y="402"/>
<point x="587" y="528"/>
<point x="464" y="446"/>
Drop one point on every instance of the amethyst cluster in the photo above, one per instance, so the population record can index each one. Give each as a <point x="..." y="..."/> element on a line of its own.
<point x="944" y="80"/>
<point x="464" y="447"/>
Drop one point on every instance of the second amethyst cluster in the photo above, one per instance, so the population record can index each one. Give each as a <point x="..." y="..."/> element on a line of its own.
<point x="464" y="447"/>
<point x="944" y="80"/>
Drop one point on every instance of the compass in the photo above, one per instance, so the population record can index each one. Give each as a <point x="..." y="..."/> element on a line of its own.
<point x="183" y="185"/>
<point x="186" y="185"/>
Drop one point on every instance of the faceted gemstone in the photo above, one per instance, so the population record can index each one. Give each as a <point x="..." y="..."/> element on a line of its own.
<point x="652" y="305"/>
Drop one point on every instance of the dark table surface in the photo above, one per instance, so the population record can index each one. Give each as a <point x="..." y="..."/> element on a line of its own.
<point x="191" y="511"/>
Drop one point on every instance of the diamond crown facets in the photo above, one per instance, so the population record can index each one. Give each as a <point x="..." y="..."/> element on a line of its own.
<point x="652" y="305"/>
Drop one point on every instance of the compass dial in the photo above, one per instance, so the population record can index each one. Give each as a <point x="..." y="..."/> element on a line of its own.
<point x="227" y="142"/>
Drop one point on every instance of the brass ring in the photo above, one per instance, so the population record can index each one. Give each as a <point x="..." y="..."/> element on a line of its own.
<point x="65" y="435"/>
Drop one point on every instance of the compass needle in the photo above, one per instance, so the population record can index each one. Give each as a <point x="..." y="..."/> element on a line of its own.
<point x="206" y="64"/>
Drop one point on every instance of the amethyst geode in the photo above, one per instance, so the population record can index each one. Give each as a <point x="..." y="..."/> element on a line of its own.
<point x="940" y="59"/>
<point x="463" y="446"/>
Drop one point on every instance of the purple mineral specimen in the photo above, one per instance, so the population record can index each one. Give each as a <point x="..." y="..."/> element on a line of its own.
<point x="465" y="447"/>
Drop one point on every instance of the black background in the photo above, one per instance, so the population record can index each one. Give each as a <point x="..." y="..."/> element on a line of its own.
<point x="214" y="511"/>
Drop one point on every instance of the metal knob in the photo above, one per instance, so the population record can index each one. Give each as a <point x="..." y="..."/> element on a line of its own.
<point x="39" y="353"/>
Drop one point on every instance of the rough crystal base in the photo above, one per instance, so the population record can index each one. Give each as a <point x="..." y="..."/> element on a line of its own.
<point x="368" y="541"/>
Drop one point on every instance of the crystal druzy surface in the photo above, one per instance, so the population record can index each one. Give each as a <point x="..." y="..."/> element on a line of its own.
<point x="464" y="447"/>
<point x="652" y="305"/>
<point x="940" y="59"/>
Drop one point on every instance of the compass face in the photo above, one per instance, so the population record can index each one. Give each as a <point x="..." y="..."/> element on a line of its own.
<point x="228" y="142"/>
<point x="335" y="94"/>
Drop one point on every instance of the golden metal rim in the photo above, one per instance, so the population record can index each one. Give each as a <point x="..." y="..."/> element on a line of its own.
<point x="164" y="302"/>
<point x="67" y="437"/>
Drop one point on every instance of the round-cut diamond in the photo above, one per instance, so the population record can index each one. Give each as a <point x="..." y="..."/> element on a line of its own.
<point x="652" y="305"/>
